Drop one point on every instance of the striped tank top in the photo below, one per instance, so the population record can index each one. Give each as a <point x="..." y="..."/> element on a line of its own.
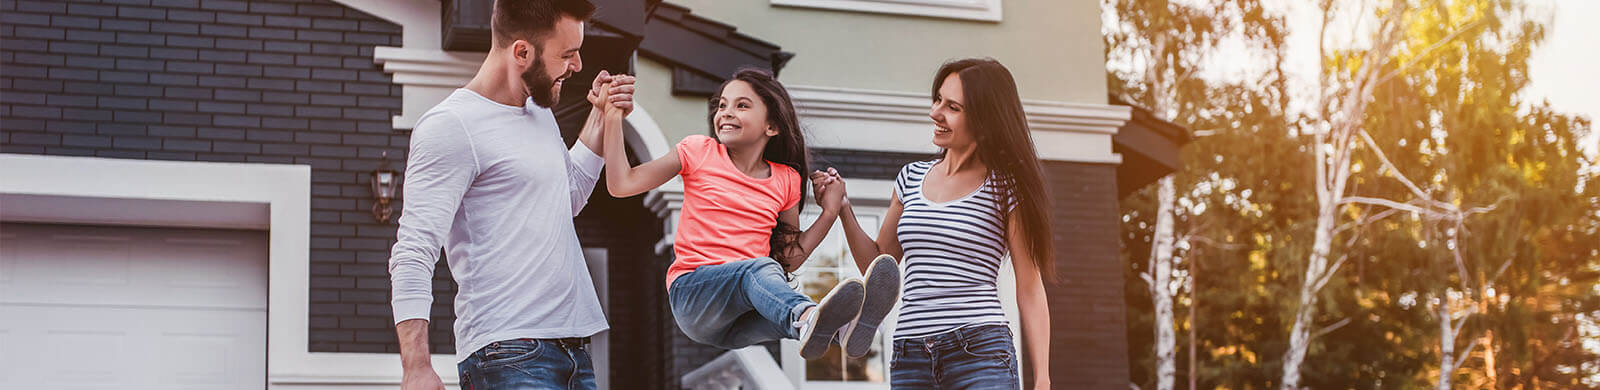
<point x="953" y="252"/>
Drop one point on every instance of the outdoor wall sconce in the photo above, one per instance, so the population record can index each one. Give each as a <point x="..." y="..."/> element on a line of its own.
<point x="383" y="189"/>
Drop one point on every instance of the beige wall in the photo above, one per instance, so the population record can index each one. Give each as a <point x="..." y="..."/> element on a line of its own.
<point x="1053" y="47"/>
<point x="678" y="116"/>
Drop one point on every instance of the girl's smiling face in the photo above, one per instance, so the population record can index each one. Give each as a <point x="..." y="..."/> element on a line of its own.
<point x="741" y="117"/>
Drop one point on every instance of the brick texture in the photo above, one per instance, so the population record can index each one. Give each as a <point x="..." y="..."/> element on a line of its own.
<point x="194" y="81"/>
<point x="1089" y="343"/>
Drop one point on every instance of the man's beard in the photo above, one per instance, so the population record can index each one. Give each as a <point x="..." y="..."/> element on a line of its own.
<point x="540" y="86"/>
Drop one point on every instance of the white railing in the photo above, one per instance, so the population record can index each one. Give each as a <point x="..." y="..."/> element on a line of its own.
<point x="748" y="368"/>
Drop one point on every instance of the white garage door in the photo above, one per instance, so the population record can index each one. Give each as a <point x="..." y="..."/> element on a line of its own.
<point x="86" y="307"/>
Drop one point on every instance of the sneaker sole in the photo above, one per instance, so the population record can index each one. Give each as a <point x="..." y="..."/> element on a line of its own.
<point x="835" y="311"/>
<point x="883" y="291"/>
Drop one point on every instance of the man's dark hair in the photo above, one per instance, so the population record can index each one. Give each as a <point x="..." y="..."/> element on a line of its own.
<point x="531" y="20"/>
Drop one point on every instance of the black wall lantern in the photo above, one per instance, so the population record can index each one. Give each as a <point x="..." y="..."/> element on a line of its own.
<point x="384" y="184"/>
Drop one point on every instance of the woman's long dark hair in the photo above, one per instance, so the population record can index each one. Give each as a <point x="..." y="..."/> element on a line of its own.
<point x="995" y="117"/>
<point x="787" y="148"/>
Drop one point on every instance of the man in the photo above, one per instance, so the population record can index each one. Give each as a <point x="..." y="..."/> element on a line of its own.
<point x="490" y="180"/>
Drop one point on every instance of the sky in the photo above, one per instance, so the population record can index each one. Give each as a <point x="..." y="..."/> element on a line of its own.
<point x="1563" y="70"/>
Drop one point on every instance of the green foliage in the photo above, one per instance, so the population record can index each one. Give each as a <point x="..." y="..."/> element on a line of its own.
<point x="1451" y="117"/>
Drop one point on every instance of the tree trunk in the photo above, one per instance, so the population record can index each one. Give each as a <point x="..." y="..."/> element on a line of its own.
<point x="1160" y="291"/>
<point x="1447" y="344"/>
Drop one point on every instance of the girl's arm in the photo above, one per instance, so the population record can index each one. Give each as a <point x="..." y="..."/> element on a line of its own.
<point x="1032" y="302"/>
<point x="830" y="200"/>
<point x="862" y="247"/>
<point x="623" y="180"/>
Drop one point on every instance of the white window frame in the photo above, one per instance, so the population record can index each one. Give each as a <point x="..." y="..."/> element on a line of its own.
<point x="975" y="10"/>
<point x="796" y="366"/>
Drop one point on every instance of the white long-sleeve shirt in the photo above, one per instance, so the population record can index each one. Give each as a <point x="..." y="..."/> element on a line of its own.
<point x="495" y="186"/>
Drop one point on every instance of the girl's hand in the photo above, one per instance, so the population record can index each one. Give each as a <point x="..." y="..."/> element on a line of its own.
<point x="598" y="91"/>
<point x="833" y="194"/>
<point x="819" y="184"/>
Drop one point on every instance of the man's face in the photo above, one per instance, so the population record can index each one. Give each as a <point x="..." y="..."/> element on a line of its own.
<point x="554" y="60"/>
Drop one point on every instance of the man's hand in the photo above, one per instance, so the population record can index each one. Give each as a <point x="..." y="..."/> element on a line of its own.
<point x="414" y="357"/>
<point x="612" y="91"/>
<point x="421" y="379"/>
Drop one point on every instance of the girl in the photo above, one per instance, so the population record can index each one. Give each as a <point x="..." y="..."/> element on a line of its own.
<point x="738" y="233"/>
<point x="953" y="219"/>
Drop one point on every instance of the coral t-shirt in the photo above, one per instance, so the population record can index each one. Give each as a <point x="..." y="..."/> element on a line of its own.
<point x="727" y="215"/>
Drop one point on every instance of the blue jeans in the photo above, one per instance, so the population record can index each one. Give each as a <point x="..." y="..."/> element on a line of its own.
<point x="975" y="357"/>
<point x="528" y="364"/>
<point x="736" y="304"/>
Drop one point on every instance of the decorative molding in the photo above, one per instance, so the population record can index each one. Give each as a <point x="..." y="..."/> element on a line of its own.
<point x="860" y="119"/>
<point x="428" y="67"/>
<point x="976" y="10"/>
<point x="426" y="77"/>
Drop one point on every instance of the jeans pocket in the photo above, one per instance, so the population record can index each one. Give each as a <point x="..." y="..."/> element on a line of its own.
<point x="991" y="346"/>
<point x="506" y="353"/>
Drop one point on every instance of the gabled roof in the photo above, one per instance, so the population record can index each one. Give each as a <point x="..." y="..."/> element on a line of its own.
<point x="703" y="52"/>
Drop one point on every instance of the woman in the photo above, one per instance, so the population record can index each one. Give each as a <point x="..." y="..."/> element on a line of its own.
<point x="952" y="220"/>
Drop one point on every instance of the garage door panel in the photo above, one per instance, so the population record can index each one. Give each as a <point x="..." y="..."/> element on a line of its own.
<point x="69" y="261"/>
<point x="211" y="268"/>
<point x="153" y="267"/>
<point x="191" y="314"/>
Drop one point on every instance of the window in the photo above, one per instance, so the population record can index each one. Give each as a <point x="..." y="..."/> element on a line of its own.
<point x="830" y="263"/>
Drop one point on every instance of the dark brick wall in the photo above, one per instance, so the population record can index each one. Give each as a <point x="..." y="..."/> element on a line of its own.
<point x="628" y="231"/>
<point x="1089" y="346"/>
<point x="283" y="82"/>
<point x="864" y="164"/>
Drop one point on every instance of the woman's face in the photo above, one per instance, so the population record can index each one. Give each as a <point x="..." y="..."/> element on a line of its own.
<point x="741" y="118"/>
<point x="949" y="116"/>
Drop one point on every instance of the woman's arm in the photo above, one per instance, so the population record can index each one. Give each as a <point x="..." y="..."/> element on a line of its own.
<point x="862" y="247"/>
<point x="1031" y="300"/>
<point x="623" y="180"/>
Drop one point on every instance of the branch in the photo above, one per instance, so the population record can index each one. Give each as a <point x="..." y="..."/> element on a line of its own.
<point x="1394" y="205"/>
<point x="1374" y="218"/>
<point x="1332" y="270"/>
<point x="1463" y="355"/>
<point x="1331" y="328"/>
<point x="1215" y="243"/>
<point x="1461" y="264"/>
<point x="1367" y="138"/>
<point x="1502" y="269"/>
<point x="1430" y="49"/>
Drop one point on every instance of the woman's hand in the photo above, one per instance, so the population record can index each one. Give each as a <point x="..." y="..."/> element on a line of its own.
<point x="829" y="189"/>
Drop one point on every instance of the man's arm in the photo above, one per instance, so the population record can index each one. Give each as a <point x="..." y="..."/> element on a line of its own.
<point x="440" y="167"/>
<point x="583" y="161"/>
<point x="415" y="360"/>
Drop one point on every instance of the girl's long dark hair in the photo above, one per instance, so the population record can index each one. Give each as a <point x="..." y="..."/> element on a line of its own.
<point x="787" y="148"/>
<point x="995" y="117"/>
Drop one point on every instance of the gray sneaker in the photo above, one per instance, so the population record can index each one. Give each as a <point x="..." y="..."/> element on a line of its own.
<point x="835" y="311"/>
<point x="883" y="291"/>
